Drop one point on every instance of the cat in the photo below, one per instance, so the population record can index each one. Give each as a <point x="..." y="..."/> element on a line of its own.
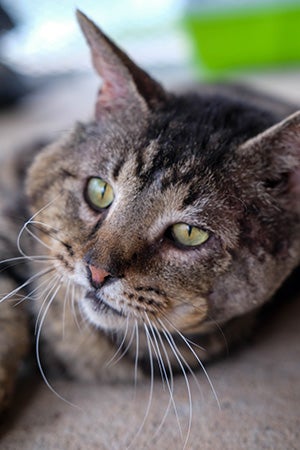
<point x="154" y="233"/>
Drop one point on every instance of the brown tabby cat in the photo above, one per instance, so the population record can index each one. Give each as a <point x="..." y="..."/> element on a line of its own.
<point x="163" y="217"/>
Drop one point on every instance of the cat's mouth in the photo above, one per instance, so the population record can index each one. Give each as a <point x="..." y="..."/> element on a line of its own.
<point x="99" y="304"/>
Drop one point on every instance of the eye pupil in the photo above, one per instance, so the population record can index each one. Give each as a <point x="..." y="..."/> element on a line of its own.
<point x="103" y="190"/>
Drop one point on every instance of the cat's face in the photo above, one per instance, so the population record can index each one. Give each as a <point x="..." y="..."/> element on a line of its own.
<point x="164" y="209"/>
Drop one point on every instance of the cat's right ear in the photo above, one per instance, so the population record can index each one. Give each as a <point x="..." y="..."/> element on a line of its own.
<point x="274" y="158"/>
<point x="126" y="87"/>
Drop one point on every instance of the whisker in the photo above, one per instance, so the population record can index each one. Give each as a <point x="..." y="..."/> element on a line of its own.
<point x="37" y="238"/>
<point x="10" y="263"/>
<point x="182" y="358"/>
<point x="53" y="280"/>
<point x="126" y="348"/>
<point x="43" y="224"/>
<point x="40" y="258"/>
<point x="170" y="383"/>
<point x="194" y="344"/>
<point x="214" y="322"/>
<point x="64" y="308"/>
<point x="73" y="308"/>
<point x="219" y="328"/>
<point x="109" y="362"/>
<point x="136" y="359"/>
<point x="50" y="233"/>
<point x="158" y="356"/>
<point x="38" y="350"/>
<point x="197" y="359"/>
<point x="27" y="222"/>
<point x="179" y="357"/>
<point x="36" y="289"/>
<point x="30" y="280"/>
<point x="149" y="403"/>
<point x="10" y="266"/>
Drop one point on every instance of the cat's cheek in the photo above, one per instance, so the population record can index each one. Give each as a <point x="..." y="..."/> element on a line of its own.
<point x="87" y="215"/>
<point x="188" y="316"/>
<point x="182" y="258"/>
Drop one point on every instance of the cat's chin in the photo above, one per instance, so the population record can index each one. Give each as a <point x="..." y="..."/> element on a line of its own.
<point x="100" y="313"/>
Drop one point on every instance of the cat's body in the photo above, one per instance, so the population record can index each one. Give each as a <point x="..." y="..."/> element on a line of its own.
<point x="162" y="220"/>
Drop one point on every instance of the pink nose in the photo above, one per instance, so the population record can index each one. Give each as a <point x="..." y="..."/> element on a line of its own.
<point x="98" y="275"/>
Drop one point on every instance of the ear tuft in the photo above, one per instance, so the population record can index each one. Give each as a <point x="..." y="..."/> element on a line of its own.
<point x="274" y="156"/>
<point x="284" y="135"/>
<point x="125" y="85"/>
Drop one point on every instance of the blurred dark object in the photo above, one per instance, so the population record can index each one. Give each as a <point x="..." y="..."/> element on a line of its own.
<point x="13" y="85"/>
<point x="6" y="22"/>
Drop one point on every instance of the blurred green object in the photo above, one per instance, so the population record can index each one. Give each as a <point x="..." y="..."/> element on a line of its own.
<point x="244" y="36"/>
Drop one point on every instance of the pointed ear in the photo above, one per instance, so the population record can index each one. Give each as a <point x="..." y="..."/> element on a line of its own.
<point x="275" y="155"/>
<point x="125" y="86"/>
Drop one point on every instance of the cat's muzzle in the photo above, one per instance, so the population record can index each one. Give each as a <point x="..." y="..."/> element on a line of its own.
<point x="100" y="305"/>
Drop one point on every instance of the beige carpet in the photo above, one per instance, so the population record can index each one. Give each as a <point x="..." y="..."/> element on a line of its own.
<point x="258" y="387"/>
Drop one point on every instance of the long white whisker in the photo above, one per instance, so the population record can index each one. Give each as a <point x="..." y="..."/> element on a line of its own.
<point x="136" y="359"/>
<point x="182" y="357"/>
<point x="30" y="280"/>
<point x="36" y="289"/>
<point x="126" y="348"/>
<point x="198" y="360"/>
<point x="53" y="280"/>
<point x="37" y="238"/>
<point x="195" y="345"/>
<point x="211" y="319"/>
<point x="158" y="355"/>
<point x="47" y="225"/>
<point x="219" y="328"/>
<point x="119" y="349"/>
<point x="170" y="383"/>
<point x="38" y="351"/>
<point x="14" y="264"/>
<point x="149" y="403"/>
<point x="64" y="308"/>
<point x="21" y="259"/>
<point x="73" y="308"/>
<point x="28" y="222"/>
<point x="178" y="357"/>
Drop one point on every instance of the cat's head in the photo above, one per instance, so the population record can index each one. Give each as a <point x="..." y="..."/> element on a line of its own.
<point x="172" y="209"/>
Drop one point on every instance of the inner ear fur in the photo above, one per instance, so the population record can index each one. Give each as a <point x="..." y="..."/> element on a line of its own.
<point x="274" y="155"/>
<point x="125" y="85"/>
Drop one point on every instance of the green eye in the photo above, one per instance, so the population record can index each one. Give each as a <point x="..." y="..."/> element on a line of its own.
<point x="188" y="235"/>
<point x="99" y="194"/>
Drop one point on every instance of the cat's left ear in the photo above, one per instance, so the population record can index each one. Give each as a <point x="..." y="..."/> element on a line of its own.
<point x="126" y="87"/>
<point x="275" y="155"/>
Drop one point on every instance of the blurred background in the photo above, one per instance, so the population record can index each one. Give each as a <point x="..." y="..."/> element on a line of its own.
<point x="41" y="40"/>
<point x="46" y="36"/>
<point x="177" y="41"/>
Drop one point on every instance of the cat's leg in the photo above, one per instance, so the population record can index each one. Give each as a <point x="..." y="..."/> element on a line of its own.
<point x="14" y="341"/>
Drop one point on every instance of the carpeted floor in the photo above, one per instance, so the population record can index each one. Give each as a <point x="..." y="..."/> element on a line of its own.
<point x="258" y="386"/>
